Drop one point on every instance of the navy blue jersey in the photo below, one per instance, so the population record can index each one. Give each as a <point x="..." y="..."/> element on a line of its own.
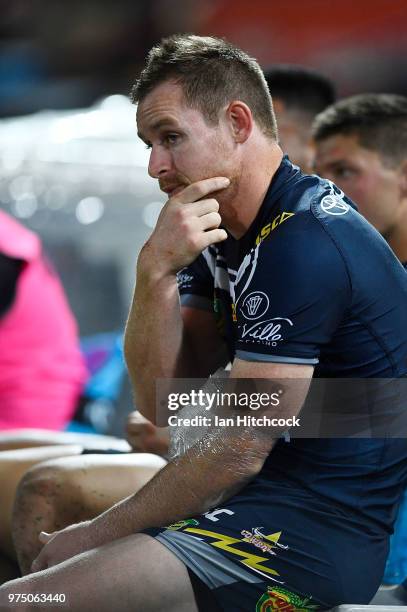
<point x="312" y="282"/>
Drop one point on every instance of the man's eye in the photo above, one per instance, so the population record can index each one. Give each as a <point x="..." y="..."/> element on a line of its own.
<point x="344" y="173"/>
<point x="172" y="138"/>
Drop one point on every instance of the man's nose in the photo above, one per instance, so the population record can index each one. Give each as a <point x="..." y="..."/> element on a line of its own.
<point x="159" y="163"/>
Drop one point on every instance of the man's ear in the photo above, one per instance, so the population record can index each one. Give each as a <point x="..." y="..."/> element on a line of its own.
<point x="403" y="178"/>
<point x="240" y="120"/>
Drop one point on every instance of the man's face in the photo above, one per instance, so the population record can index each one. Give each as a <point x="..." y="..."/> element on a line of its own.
<point x="363" y="176"/>
<point x="294" y="131"/>
<point x="184" y="148"/>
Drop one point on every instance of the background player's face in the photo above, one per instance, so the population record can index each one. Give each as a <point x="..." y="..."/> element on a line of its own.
<point x="184" y="148"/>
<point x="363" y="176"/>
<point x="294" y="133"/>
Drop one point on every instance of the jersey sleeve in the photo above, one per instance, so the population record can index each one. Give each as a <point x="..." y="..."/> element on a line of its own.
<point x="291" y="293"/>
<point x="196" y="284"/>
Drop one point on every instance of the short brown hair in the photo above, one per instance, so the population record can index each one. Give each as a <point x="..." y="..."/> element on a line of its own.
<point x="212" y="72"/>
<point x="300" y="88"/>
<point x="378" y="120"/>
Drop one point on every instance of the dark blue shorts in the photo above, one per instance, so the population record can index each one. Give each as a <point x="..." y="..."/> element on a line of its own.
<point x="268" y="549"/>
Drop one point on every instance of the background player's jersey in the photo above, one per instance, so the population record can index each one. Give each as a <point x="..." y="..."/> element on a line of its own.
<point x="312" y="282"/>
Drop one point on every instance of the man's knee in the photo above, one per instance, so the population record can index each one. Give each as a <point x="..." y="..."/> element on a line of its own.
<point x="46" y="487"/>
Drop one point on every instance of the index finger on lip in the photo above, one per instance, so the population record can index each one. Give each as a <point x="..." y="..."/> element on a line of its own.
<point x="200" y="189"/>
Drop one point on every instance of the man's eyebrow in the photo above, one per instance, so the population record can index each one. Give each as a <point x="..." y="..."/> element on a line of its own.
<point x="338" y="160"/>
<point x="160" y="123"/>
<point x="332" y="163"/>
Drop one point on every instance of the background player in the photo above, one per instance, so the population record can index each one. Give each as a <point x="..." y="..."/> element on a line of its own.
<point x="361" y="145"/>
<point x="298" y="95"/>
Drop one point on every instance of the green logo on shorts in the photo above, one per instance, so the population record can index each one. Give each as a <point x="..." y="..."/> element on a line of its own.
<point x="184" y="523"/>
<point x="278" y="598"/>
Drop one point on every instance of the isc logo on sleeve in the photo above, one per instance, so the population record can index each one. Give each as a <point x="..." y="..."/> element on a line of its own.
<point x="267" y="229"/>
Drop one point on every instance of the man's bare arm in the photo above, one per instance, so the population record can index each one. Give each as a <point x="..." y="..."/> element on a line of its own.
<point x="207" y="474"/>
<point x="157" y="343"/>
<point x="217" y="467"/>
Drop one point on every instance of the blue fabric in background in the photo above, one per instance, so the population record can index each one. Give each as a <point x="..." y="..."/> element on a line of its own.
<point x="396" y="566"/>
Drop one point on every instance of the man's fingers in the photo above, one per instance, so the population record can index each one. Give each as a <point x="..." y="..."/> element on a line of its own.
<point x="44" y="537"/>
<point x="210" y="221"/>
<point x="136" y="417"/>
<point x="135" y="428"/>
<point x="214" y="236"/>
<point x="140" y="429"/>
<point x="202" y="207"/>
<point x="200" y="189"/>
<point x="37" y="565"/>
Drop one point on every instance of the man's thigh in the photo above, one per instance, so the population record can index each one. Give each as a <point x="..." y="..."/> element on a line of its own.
<point x="134" y="573"/>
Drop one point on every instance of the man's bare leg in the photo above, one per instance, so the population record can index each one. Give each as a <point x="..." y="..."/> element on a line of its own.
<point x="22" y="449"/>
<point x="136" y="573"/>
<point x="72" y="489"/>
<point x="13" y="465"/>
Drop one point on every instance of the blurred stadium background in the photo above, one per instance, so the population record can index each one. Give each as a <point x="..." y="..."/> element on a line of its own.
<point x="71" y="167"/>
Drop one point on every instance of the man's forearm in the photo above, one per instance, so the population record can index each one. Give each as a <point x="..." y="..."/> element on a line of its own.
<point x="154" y="337"/>
<point x="206" y="475"/>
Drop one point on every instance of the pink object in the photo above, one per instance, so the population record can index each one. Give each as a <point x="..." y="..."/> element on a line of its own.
<point x="42" y="371"/>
